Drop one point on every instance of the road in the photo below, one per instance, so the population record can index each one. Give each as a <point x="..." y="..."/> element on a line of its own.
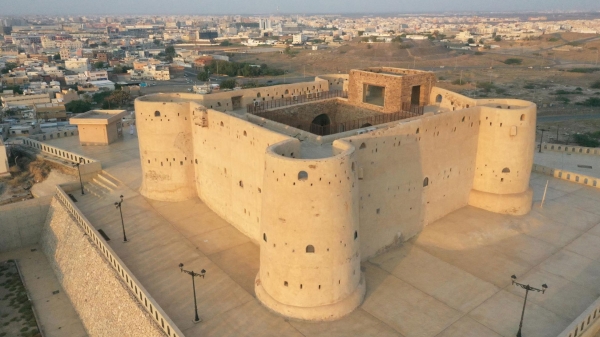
<point x="567" y="118"/>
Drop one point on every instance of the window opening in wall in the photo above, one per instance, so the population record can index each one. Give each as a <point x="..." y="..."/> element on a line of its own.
<point x="373" y="94"/>
<point x="285" y="283"/>
<point x="506" y="170"/>
<point x="156" y="113"/>
<point x="523" y="117"/>
<point x="301" y="286"/>
<point x="417" y="130"/>
<point x="265" y="237"/>
<point x="302" y="175"/>
<point x="310" y="249"/>
<point x="355" y="235"/>
<point x="438" y="99"/>
<point x="241" y="184"/>
<point x="426" y="182"/>
<point x="258" y="95"/>
<point x="363" y="146"/>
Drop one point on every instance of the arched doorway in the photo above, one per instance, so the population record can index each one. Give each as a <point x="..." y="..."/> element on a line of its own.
<point x="366" y="125"/>
<point x="320" y="125"/>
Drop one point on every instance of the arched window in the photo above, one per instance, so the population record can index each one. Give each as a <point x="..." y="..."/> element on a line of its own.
<point x="425" y="182"/>
<point x="355" y="235"/>
<point x="506" y="170"/>
<point x="363" y="146"/>
<point x="156" y="113"/>
<point x="258" y="95"/>
<point x="265" y="237"/>
<point x="523" y="117"/>
<point x="310" y="249"/>
<point x="302" y="175"/>
<point x="438" y="99"/>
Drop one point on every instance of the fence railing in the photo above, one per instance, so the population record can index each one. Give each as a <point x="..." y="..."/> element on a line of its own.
<point x="572" y="149"/>
<point x="579" y="326"/>
<point x="324" y="130"/>
<point x="262" y="106"/>
<point x="58" y="152"/>
<point x="136" y="288"/>
<point x="55" y="134"/>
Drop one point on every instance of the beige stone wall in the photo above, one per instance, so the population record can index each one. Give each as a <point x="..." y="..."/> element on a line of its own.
<point x="104" y="305"/>
<point x="393" y="164"/>
<point x="230" y="154"/>
<point x="166" y="150"/>
<point x="309" y="247"/>
<point x="91" y="134"/>
<point x="398" y="87"/>
<point x="336" y="81"/>
<point x="337" y="109"/>
<point x="21" y="223"/>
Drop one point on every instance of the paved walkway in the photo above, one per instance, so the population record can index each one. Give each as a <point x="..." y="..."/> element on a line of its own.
<point x="56" y="315"/>
<point x="453" y="279"/>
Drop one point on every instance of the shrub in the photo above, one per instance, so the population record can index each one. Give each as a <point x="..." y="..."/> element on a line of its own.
<point x="592" y="101"/>
<point x="586" y="140"/>
<point x="513" y="61"/>
<point x="459" y="82"/>
<point x="584" y="70"/>
<point x="595" y="85"/>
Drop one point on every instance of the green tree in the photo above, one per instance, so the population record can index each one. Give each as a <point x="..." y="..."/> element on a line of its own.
<point x="498" y="38"/>
<point x="99" y="65"/>
<point x="170" y="53"/>
<point x="225" y="43"/>
<point x="203" y="76"/>
<point x="471" y="41"/>
<point x="56" y="57"/>
<point x="15" y="88"/>
<point x="104" y="44"/>
<point x="8" y="67"/>
<point x="595" y="85"/>
<point x="78" y="106"/>
<point x="156" y="42"/>
<point x="228" y="84"/>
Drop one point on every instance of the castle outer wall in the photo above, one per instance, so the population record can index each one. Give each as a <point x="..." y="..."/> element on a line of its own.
<point x="375" y="190"/>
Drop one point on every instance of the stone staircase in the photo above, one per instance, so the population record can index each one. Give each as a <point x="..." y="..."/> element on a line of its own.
<point x="101" y="185"/>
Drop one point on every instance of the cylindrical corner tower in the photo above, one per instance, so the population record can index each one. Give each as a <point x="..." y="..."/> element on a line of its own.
<point x="309" y="247"/>
<point x="166" y="148"/>
<point x="504" y="156"/>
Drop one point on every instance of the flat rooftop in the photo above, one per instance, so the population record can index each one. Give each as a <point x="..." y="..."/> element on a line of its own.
<point x="452" y="279"/>
<point x="98" y="117"/>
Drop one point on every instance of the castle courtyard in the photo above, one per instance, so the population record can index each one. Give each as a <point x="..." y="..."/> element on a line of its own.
<point x="451" y="279"/>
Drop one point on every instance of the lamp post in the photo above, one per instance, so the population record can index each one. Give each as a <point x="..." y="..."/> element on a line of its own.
<point x="542" y="138"/>
<point x="118" y="205"/>
<point x="193" y="275"/>
<point x="79" y="172"/>
<point x="527" y="288"/>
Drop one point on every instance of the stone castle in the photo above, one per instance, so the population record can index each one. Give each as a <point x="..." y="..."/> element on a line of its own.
<point x="325" y="174"/>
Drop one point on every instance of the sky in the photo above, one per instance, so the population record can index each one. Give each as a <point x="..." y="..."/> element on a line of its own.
<point x="206" y="7"/>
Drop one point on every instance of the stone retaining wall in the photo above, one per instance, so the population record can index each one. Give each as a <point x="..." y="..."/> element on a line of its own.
<point x="104" y="304"/>
<point x="21" y="223"/>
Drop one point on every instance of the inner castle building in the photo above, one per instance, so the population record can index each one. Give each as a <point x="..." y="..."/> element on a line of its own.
<point x="326" y="174"/>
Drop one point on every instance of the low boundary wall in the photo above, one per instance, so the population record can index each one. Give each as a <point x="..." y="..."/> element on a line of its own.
<point x="88" y="167"/>
<point x="586" y="324"/>
<point x="55" y="134"/>
<point x="593" y="151"/>
<point x="163" y="322"/>
<point x="21" y="223"/>
<point x="567" y="175"/>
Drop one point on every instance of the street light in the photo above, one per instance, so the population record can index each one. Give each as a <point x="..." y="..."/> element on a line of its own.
<point x="193" y="274"/>
<point x="527" y="289"/>
<point x="118" y="205"/>
<point x="542" y="138"/>
<point x="79" y="172"/>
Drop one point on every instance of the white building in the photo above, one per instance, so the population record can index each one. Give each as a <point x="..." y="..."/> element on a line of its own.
<point x="156" y="72"/>
<point x="78" y="65"/>
<point x="299" y="38"/>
